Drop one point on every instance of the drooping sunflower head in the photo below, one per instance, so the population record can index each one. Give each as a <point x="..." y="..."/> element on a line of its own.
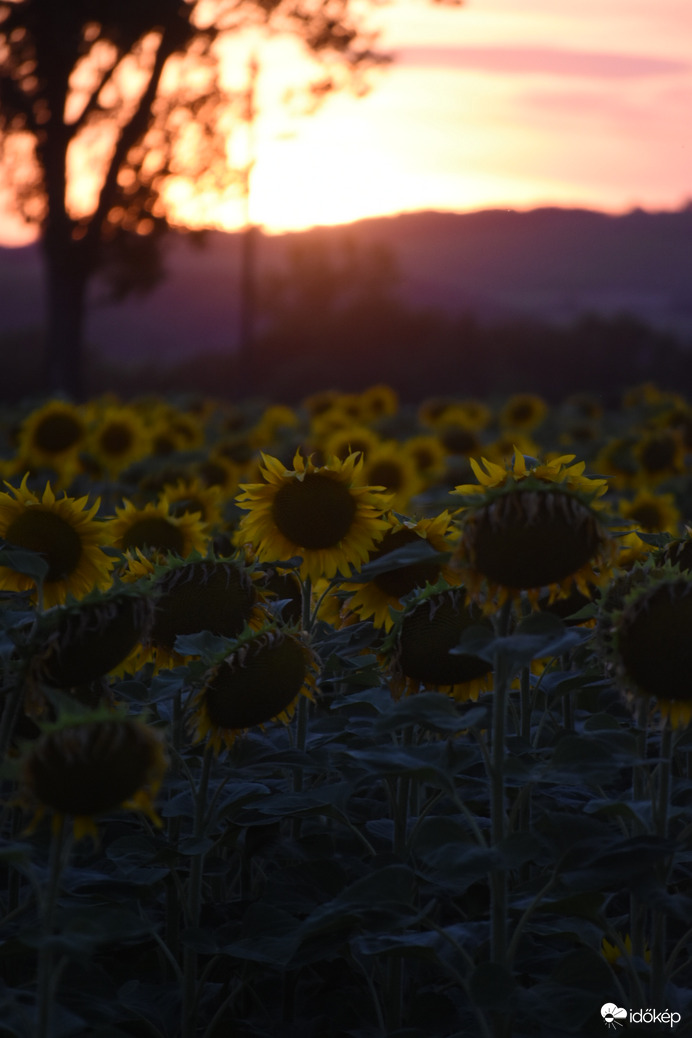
<point x="52" y="435"/>
<point x="66" y="532"/>
<point x="378" y="596"/>
<point x="418" y="652"/>
<point x="194" y="595"/>
<point x="258" y="681"/>
<point x="91" y="765"/>
<point x="649" y="645"/>
<point x="321" y="513"/>
<point x="81" y="642"/>
<point x="157" y="526"/>
<point x="528" y="527"/>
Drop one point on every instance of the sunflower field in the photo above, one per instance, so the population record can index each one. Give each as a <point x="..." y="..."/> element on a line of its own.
<point x="356" y="719"/>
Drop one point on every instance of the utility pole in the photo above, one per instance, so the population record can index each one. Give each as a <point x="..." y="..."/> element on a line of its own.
<point x="248" y="253"/>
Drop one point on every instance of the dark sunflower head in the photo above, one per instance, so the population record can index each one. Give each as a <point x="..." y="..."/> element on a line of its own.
<point x="257" y="682"/>
<point x="528" y="528"/>
<point x="202" y="595"/>
<point x="419" y="649"/>
<point x="79" y="643"/>
<point x="90" y="766"/>
<point x="649" y="646"/>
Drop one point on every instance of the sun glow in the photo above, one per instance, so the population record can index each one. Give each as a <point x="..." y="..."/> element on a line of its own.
<point x="483" y="107"/>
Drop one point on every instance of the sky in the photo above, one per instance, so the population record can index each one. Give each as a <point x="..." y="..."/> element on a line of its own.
<point x="494" y="104"/>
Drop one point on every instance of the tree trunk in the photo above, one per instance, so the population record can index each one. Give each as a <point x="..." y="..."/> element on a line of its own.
<point x="66" y="273"/>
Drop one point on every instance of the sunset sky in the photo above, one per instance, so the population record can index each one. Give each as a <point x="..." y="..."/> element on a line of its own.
<point x="493" y="104"/>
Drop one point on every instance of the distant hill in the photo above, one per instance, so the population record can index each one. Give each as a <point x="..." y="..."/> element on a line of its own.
<point x="551" y="264"/>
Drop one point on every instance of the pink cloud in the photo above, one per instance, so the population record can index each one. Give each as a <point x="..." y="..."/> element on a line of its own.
<point x="539" y="60"/>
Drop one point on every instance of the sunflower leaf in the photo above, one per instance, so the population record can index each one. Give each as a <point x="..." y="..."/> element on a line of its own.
<point x="29" y="563"/>
<point x="537" y="636"/>
<point x="408" y="555"/>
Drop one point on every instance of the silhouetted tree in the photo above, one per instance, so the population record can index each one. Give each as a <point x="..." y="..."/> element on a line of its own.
<point x="139" y="80"/>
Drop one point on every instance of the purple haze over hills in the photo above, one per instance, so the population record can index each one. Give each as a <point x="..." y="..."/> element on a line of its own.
<point x="553" y="264"/>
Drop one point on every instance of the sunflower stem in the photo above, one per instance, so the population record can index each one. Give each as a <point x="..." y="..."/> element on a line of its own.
<point x="307" y="603"/>
<point x="46" y="974"/>
<point x="658" y="936"/>
<point x="637" y="912"/>
<point x="498" y="877"/>
<point x="525" y="704"/>
<point x="194" y="897"/>
<point x="10" y="714"/>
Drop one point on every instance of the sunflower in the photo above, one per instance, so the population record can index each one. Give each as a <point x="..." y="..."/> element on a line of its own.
<point x="612" y="953"/>
<point x="649" y="646"/>
<point x="92" y="765"/>
<point x="351" y="440"/>
<point x="79" y="643"/>
<point x="616" y="460"/>
<point x="458" y="437"/>
<point x="660" y="454"/>
<point x="651" y="513"/>
<point x="195" y="595"/>
<point x="470" y="414"/>
<point x="171" y="430"/>
<point x="428" y="456"/>
<point x="320" y="403"/>
<point x="524" y="529"/>
<point x="379" y="401"/>
<point x="52" y="436"/>
<point x="192" y="494"/>
<point x="258" y="681"/>
<point x="218" y="471"/>
<point x="648" y="395"/>
<point x="389" y="467"/>
<point x="506" y="445"/>
<point x="385" y="592"/>
<point x="418" y="652"/>
<point x="274" y="423"/>
<point x="320" y="513"/>
<point x="119" y="437"/>
<point x="187" y="429"/>
<point x="65" y="532"/>
<point x="523" y="411"/>
<point x="156" y="526"/>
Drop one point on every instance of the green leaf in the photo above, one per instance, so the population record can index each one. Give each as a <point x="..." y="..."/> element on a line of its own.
<point x="410" y="555"/>
<point x="205" y="644"/>
<point x="430" y="710"/>
<point x="537" y="636"/>
<point x="29" y="563"/>
<point x="268" y="935"/>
